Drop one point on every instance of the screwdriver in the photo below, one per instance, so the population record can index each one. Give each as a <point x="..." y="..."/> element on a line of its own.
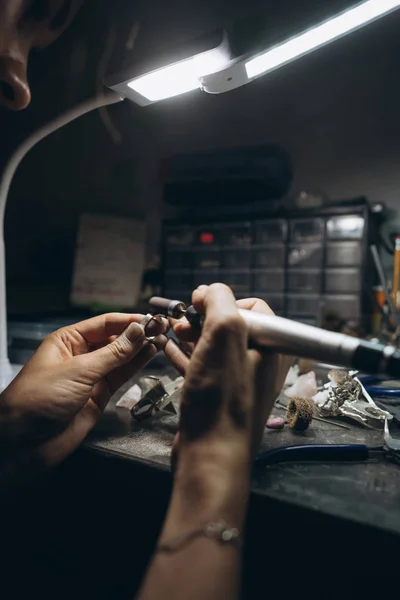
<point x="297" y="339"/>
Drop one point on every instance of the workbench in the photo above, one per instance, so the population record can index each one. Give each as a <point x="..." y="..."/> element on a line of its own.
<point x="332" y="530"/>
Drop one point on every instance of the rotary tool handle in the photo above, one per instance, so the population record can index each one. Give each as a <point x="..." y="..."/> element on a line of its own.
<point x="194" y="318"/>
<point x="159" y="305"/>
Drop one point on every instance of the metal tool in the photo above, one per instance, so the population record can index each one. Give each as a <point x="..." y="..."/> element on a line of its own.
<point x="297" y="339"/>
<point x="328" y="421"/>
<point x="157" y="397"/>
<point x="331" y="452"/>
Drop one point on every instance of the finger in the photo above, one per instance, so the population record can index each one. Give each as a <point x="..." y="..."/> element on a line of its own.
<point x="216" y="302"/>
<point x="120" y="376"/>
<point x="186" y="333"/>
<point x="255" y="304"/>
<point x="58" y="448"/>
<point x="120" y="352"/>
<point x="178" y="358"/>
<point x="98" y="329"/>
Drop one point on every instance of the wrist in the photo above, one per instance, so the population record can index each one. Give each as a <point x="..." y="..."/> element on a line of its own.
<point x="206" y="489"/>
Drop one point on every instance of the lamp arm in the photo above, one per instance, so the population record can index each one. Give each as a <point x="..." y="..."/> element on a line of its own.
<point x="85" y="107"/>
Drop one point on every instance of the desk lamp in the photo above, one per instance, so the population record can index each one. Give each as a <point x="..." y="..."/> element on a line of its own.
<point x="213" y="70"/>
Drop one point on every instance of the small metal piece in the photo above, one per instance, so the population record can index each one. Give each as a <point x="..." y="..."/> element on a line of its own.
<point x="158" y="397"/>
<point x="145" y="322"/>
<point x="150" y="402"/>
<point x="170" y="308"/>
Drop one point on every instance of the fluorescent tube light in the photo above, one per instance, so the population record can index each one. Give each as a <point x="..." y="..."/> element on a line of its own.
<point x="181" y="77"/>
<point x="319" y="36"/>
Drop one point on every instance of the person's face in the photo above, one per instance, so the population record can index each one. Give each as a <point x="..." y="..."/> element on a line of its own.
<point x="24" y="25"/>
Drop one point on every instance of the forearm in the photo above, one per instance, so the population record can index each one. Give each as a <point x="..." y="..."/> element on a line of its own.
<point x="202" y="567"/>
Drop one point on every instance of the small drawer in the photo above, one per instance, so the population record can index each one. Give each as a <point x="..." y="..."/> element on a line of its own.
<point x="205" y="277"/>
<point x="343" y="254"/>
<point x="179" y="280"/>
<point x="349" y="227"/>
<point x="267" y="232"/>
<point x="342" y="281"/>
<point x="304" y="281"/>
<point x="207" y="258"/>
<point x="305" y="255"/>
<point x="270" y="257"/>
<point x="306" y="305"/>
<point x="179" y="260"/>
<point x="178" y="237"/>
<point x="237" y="234"/>
<point x="239" y="281"/>
<point x="234" y="258"/>
<point x="345" y="306"/>
<point x="268" y="280"/>
<point x="307" y="230"/>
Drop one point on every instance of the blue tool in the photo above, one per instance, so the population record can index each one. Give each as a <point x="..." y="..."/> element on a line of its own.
<point x="378" y="391"/>
<point x="331" y="452"/>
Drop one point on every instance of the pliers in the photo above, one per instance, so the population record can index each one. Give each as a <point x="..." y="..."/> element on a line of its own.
<point x="375" y="391"/>
<point x="331" y="452"/>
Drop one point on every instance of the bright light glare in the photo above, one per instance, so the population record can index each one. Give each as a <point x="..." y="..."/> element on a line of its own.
<point x="180" y="77"/>
<point x="320" y="35"/>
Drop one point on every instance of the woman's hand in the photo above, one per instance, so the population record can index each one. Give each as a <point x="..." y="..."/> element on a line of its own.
<point x="229" y="390"/>
<point x="268" y="369"/>
<point x="228" y="393"/>
<point x="61" y="393"/>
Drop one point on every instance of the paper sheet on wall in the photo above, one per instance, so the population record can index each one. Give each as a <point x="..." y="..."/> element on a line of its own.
<point x="109" y="261"/>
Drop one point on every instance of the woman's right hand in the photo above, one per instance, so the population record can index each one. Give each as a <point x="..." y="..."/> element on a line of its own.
<point x="228" y="394"/>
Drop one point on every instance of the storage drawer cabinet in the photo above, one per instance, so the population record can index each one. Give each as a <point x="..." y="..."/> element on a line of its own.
<point x="301" y="262"/>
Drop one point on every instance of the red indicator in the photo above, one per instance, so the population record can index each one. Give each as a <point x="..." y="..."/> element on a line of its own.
<point x="207" y="238"/>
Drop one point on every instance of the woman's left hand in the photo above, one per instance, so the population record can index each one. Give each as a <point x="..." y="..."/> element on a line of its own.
<point x="63" y="390"/>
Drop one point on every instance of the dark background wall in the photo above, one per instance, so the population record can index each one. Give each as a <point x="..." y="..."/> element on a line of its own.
<point x="336" y="112"/>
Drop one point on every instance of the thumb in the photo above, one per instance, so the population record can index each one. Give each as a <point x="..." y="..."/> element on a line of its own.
<point x="116" y="354"/>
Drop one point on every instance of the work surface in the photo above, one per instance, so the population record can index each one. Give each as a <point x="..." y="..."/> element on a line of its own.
<point x="367" y="493"/>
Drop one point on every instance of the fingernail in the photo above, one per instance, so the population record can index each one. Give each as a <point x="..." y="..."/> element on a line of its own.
<point x="201" y="288"/>
<point x="134" y="332"/>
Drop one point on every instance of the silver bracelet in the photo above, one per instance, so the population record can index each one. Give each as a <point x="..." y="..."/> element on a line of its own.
<point x="218" y="531"/>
